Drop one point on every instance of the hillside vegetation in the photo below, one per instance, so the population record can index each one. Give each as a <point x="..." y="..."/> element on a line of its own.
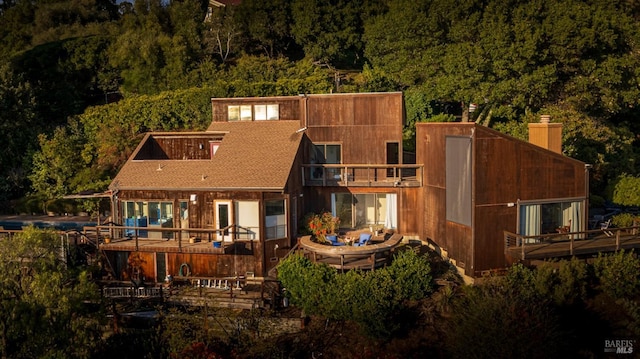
<point x="81" y="81"/>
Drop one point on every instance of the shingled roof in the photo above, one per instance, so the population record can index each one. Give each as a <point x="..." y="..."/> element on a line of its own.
<point x="256" y="155"/>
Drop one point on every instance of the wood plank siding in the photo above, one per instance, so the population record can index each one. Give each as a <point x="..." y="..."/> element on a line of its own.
<point x="187" y="147"/>
<point x="362" y="124"/>
<point x="202" y="215"/>
<point x="505" y="171"/>
<point x="289" y="107"/>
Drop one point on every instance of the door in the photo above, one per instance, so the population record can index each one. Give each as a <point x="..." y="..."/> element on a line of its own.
<point x="161" y="267"/>
<point x="223" y="218"/>
<point x="393" y="158"/>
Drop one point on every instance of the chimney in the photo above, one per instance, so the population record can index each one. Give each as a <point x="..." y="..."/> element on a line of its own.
<point x="545" y="134"/>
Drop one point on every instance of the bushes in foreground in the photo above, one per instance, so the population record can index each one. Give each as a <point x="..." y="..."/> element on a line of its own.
<point x="368" y="298"/>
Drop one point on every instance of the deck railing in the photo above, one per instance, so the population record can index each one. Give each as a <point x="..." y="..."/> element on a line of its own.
<point x="368" y="175"/>
<point x="598" y="239"/>
<point x="132" y="292"/>
<point x="102" y="234"/>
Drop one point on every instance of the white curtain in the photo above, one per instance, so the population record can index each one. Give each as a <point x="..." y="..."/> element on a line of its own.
<point x="572" y="213"/>
<point x="392" y="211"/>
<point x="530" y="221"/>
<point x="334" y="212"/>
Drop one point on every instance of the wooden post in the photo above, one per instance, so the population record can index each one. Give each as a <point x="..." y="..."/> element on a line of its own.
<point x="571" y="245"/>
<point x="618" y="239"/>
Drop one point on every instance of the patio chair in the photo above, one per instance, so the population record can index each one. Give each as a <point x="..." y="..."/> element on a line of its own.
<point x="334" y="240"/>
<point x="364" y="239"/>
<point x="604" y="226"/>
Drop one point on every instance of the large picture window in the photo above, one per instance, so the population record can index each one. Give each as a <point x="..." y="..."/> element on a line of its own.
<point x="538" y="218"/>
<point x="365" y="209"/>
<point x="275" y="219"/>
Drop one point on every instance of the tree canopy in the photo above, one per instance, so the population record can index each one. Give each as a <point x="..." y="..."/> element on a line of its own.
<point x="514" y="60"/>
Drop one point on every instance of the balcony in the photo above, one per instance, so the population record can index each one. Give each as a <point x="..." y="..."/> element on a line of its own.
<point x="567" y="244"/>
<point x="362" y="175"/>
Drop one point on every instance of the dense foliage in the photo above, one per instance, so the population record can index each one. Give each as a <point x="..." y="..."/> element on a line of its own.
<point x="568" y="308"/>
<point x="370" y="299"/>
<point x="45" y="303"/>
<point x="516" y="59"/>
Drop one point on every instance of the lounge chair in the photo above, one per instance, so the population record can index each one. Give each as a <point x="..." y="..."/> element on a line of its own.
<point x="364" y="239"/>
<point x="334" y="240"/>
<point x="604" y="226"/>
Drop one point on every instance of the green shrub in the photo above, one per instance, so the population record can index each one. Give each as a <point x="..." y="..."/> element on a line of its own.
<point x="617" y="274"/>
<point x="623" y="220"/>
<point x="627" y="191"/>
<point x="369" y="298"/>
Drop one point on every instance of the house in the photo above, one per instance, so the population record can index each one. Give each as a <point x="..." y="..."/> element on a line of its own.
<point x="239" y="190"/>
<point x="481" y="183"/>
<point x="231" y="200"/>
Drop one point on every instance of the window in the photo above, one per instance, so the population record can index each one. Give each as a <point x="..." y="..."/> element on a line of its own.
<point x="275" y="219"/>
<point x="245" y="113"/>
<point x="255" y="112"/>
<point x="365" y="209"/>
<point x="149" y="214"/>
<point x="247" y="219"/>
<point x="325" y="153"/>
<point x="458" y="180"/>
<point x="543" y="218"/>
<point x="234" y="113"/>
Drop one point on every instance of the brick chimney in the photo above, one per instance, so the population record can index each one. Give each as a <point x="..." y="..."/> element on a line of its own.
<point x="545" y="134"/>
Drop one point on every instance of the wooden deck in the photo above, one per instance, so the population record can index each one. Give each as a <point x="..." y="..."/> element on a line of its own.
<point x="194" y="240"/>
<point x="343" y="258"/>
<point x="357" y="175"/>
<point x="571" y="244"/>
<point x="177" y="246"/>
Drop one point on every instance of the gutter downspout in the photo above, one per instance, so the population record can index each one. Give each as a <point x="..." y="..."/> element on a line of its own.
<point x="585" y="218"/>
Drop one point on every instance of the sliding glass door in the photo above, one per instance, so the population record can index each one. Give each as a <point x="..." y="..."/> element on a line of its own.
<point x="363" y="210"/>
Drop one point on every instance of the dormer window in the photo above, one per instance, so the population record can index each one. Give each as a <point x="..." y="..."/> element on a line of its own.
<point x="253" y="113"/>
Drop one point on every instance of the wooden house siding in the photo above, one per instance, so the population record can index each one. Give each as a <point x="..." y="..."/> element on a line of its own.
<point x="289" y="107"/>
<point x="453" y="238"/>
<point x="319" y="198"/>
<point x="176" y="147"/>
<point x="256" y="259"/>
<point x="504" y="171"/>
<point x="409" y="211"/>
<point x="361" y="123"/>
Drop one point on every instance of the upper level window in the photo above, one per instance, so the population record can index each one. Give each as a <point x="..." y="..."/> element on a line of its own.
<point x="240" y="113"/>
<point x="255" y="112"/>
<point x="325" y="154"/>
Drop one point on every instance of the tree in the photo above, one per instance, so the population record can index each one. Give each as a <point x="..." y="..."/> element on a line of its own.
<point x="58" y="162"/>
<point x="627" y="191"/>
<point x="330" y="32"/>
<point x="266" y="26"/>
<point x="18" y="132"/>
<point x="371" y="299"/>
<point x="222" y="33"/>
<point x="43" y="310"/>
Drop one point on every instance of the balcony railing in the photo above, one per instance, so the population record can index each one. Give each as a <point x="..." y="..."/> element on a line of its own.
<point x="572" y="243"/>
<point x="362" y="175"/>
